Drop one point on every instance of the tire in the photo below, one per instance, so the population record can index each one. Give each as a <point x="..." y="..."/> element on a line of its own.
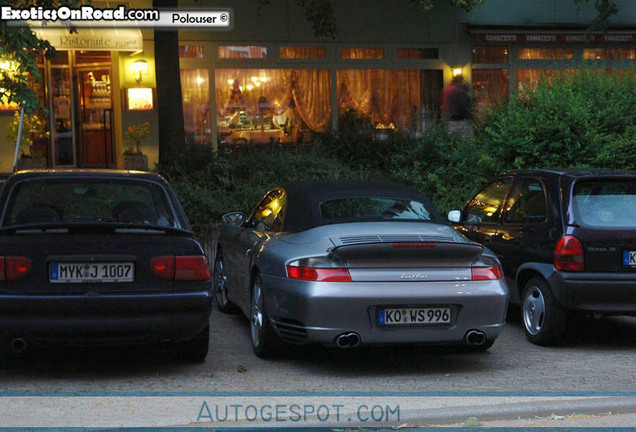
<point x="543" y="319"/>
<point x="265" y="342"/>
<point x="196" y="349"/>
<point x="220" y="287"/>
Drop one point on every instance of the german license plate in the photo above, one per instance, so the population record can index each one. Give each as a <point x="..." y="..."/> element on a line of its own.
<point x="629" y="258"/>
<point x="403" y="316"/>
<point x="91" y="272"/>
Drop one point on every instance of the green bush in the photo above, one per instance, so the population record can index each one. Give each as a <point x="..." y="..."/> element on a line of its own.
<point x="210" y="185"/>
<point x="584" y="119"/>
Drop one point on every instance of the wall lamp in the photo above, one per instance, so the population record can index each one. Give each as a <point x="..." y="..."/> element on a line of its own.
<point x="139" y="68"/>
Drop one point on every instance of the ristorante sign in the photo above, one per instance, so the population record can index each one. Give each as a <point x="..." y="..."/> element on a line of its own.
<point x="97" y="39"/>
<point x="554" y="37"/>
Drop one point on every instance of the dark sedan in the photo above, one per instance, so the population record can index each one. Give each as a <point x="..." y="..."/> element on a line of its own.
<point x="566" y="240"/>
<point x="100" y="258"/>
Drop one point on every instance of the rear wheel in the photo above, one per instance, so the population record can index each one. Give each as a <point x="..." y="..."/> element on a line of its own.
<point x="220" y="286"/>
<point x="544" y="320"/>
<point x="195" y="349"/>
<point x="265" y="341"/>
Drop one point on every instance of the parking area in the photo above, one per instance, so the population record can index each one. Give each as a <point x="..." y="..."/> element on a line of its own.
<point x="599" y="356"/>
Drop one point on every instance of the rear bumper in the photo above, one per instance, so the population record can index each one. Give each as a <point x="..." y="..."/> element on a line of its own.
<point x="320" y="311"/>
<point x="613" y="293"/>
<point x="104" y="319"/>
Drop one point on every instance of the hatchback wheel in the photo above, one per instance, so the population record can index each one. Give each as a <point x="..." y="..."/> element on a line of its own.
<point x="265" y="341"/>
<point x="220" y="287"/>
<point x="543" y="319"/>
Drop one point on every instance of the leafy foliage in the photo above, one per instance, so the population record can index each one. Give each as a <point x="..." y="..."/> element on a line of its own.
<point x="586" y="119"/>
<point x="19" y="46"/>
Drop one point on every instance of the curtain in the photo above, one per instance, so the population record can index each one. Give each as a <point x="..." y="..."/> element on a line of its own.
<point x="386" y="96"/>
<point x="312" y="93"/>
<point x="303" y="52"/>
<point x="361" y="53"/>
<point x="490" y="86"/>
<point x="195" y="89"/>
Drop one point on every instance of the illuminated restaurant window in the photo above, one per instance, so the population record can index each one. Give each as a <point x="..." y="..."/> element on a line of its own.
<point x="528" y="78"/>
<point x="242" y="51"/>
<point x="545" y="53"/>
<point x="489" y="54"/>
<point x="361" y="53"/>
<point x="272" y="105"/>
<point x="303" y="52"/>
<point x="609" y="54"/>
<point x="417" y="53"/>
<point x="195" y="91"/>
<point x="490" y="86"/>
<point x="191" y="51"/>
<point x="389" y="99"/>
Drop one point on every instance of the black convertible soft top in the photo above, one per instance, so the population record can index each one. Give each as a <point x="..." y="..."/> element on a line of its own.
<point x="304" y="198"/>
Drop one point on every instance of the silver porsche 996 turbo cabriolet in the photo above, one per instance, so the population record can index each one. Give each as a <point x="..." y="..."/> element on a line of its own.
<point x="347" y="263"/>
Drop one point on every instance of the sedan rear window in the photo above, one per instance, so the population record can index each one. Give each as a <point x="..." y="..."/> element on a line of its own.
<point x="88" y="201"/>
<point x="605" y="203"/>
<point x="351" y="209"/>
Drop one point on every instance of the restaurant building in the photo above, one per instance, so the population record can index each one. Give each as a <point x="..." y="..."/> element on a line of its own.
<point x="270" y="80"/>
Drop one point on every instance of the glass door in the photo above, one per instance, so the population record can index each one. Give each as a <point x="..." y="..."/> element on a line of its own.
<point x="61" y="112"/>
<point x="95" y="116"/>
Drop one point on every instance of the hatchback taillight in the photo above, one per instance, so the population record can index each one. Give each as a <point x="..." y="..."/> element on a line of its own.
<point x="568" y="254"/>
<point x="14" y="268"/>
<point x="185" y="268"/>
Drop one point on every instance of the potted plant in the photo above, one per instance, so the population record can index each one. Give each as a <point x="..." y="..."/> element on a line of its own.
<point x="134" y="158"/>
<point x="33" y="141"/>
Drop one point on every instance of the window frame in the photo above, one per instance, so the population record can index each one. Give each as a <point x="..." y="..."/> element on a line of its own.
<point x="516" y="182"/>
<point x="499" y="211"/>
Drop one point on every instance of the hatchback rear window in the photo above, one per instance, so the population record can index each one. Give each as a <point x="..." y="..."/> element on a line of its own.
<point x="605" y="203"/>
<point x="88" y="201"/>
<point x="351" y="209"/>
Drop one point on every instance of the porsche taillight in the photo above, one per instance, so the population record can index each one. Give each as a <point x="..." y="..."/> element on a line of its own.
<point x="319" y="269"/>
<point x="14" y="268"/>
<point x="183" y="268"/>
<point x="486" y="268"/>
<point x="568" y="254"/>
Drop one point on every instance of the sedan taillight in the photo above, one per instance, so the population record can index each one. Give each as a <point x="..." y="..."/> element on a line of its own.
<point x="568" y="254"/>
<point x="14" y="268"/>
<point x="184" y="268"/>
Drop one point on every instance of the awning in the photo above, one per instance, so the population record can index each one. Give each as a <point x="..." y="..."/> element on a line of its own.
<point x="94" y="39"/>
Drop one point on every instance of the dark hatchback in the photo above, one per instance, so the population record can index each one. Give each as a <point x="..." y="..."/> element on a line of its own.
<point x="100" y="257"/>
<point x="566" y="241"/>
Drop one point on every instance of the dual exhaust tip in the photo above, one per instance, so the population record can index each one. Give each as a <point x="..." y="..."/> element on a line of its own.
<point x="352" y="339"/>
<point x="348" y="340"/>
<point x="475" y="337"/>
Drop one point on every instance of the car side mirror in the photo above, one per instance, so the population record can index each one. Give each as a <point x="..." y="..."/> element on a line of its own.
<point x="455" y="216"/>
<point x="234" y="219"/>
